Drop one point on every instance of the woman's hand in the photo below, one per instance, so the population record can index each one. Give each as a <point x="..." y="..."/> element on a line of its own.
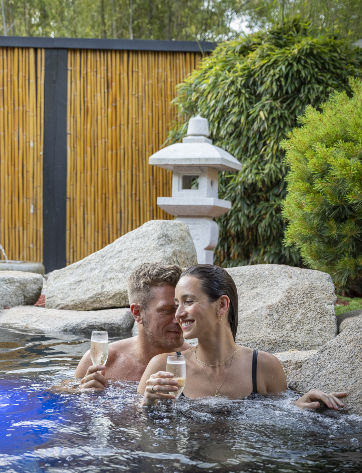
<point x="94" y="379"/>
<point x="313" y="399"/>
<point x="159" y="386"/>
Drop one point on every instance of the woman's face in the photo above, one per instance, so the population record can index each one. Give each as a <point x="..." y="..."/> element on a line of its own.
<point x="195" y="313"/>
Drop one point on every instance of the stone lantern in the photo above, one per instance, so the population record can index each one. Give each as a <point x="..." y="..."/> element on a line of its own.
<point x="195" y="164"/>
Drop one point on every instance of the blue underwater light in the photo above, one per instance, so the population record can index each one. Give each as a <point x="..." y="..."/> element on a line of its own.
<point x="27" y="417"/>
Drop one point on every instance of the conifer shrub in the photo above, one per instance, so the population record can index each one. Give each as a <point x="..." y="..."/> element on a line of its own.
<point x="323" y="205"/>
<point x="251" y="90"/>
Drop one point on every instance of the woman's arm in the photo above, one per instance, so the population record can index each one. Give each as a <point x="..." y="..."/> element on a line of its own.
<point x="273" y="375"/>
<point x="313" y="399"/>
<point x="155" y="383"/>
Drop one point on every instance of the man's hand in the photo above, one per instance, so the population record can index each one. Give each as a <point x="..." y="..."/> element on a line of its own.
<point x="94" y="379"/>
<point x="158" y="386"/>
<point x="314" y="398"/>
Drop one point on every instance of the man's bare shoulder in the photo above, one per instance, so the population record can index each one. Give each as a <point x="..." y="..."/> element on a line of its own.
<point x="125" y="346"/>
<point x="119" y="364"/>
<point x="124" y="343"/>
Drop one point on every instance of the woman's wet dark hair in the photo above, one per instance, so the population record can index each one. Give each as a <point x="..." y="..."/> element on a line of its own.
<point x="216" y="282"/>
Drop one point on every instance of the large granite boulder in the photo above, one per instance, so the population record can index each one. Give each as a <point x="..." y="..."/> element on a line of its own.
<point x="348" y="318"/>
<point x="19" y="288"/>
<point x="283" y="308"/>
<point x="293" y="360"/>
<point x="336" y="367"/>
<point x="117" y="322"/>
<point x="99" y="281"/>
<point x="27" y="266"/>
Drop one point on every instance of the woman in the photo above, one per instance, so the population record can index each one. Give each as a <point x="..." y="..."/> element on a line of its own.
<point x="207" y="309"/>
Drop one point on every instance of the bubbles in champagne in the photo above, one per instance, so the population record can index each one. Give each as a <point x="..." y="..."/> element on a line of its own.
<point x="99" y="352"/>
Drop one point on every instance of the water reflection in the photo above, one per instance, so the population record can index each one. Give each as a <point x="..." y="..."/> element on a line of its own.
<point x="108" y="431"/>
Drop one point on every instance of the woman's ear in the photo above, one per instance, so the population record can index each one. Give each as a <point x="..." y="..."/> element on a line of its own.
<point x="136" y="312"/>
<point x="223" y="306"/>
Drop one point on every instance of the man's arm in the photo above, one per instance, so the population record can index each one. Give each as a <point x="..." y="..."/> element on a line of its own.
<point x="83" y="365"/>
<point x="91" y="377"/>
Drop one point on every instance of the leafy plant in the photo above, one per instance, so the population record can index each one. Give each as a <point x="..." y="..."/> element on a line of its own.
<point x="324" y="193"/>
<point x="252" y="90"/>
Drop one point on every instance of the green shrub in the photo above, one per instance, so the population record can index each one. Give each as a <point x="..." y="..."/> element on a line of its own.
<point x="324" y="188"/>
<point x="251" y="90"/>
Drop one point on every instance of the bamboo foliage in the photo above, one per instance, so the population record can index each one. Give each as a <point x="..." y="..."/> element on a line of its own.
<point x="119" y="113"/>
<point x="21" y="145"/>
<point x="252" y="90"/>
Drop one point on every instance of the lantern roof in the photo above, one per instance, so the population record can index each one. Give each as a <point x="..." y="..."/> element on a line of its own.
<point x="196" y="150"/>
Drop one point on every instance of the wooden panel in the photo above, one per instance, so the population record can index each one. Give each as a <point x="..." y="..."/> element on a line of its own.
<point x="21" y="145"/>
<point x="119" y="113"/>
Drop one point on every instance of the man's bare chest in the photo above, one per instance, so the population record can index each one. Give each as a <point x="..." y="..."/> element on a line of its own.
<point x="125" y="367"/>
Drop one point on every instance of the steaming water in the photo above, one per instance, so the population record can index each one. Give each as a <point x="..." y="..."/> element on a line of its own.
<point x="41" y="431"/>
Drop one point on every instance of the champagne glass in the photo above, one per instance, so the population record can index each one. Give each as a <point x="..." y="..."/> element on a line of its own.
<point x="99" y="347"/>
<point x="176" y="364"/>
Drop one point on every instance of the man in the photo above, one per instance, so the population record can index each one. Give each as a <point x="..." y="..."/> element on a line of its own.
<point x="151" y="293"/>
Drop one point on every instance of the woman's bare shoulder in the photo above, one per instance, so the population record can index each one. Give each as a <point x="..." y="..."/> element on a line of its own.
<point x="267" y="360"/>
<point x="271" y="373"/>
<point x="263" y="356"/>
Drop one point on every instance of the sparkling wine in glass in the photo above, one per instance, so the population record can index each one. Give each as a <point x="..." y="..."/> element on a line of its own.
<point x="99" y="347"/>
<point x="176" y="364"/>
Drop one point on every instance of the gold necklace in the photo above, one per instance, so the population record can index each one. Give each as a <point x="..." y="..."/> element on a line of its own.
<point x="231" y="358"/>
<point x="214" y="365"/>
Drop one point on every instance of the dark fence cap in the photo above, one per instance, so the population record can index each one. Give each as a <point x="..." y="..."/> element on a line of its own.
<point x="107" y="44"/>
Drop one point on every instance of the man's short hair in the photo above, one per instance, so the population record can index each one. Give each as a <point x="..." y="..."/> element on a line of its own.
<point x="149" y="275"/>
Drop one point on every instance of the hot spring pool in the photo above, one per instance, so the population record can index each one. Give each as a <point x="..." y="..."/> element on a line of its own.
<point x="41" y="431"/>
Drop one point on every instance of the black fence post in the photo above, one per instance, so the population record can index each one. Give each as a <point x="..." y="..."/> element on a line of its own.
<point x="55" y="159"/>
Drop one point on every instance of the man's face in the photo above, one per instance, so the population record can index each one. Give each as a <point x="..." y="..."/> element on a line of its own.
<point x="159" y="321"/>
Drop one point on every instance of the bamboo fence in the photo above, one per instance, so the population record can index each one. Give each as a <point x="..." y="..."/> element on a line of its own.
<point x="21" y="146"/>
<point x="118" y="114"/>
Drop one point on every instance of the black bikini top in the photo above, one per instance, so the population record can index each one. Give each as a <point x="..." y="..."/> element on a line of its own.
<point x="253" y="371"/>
